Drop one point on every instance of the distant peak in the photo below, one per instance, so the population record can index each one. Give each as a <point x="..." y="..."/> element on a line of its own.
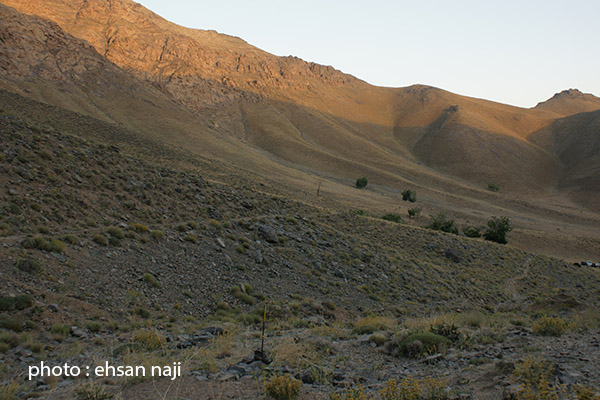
<point x="569" y="93"/>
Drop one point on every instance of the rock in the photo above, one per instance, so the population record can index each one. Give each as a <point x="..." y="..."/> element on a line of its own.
<point x="53" y="307"/>
<point x="268" y="233"/>
<point x="214" y="213"/>
<point x="247" y="204"/>
<point x="78" y="332"/>
<point x="221" y="242"/>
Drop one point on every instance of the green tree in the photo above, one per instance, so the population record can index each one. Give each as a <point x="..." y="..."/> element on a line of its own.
<point x="362" y="182"/>
<point x="409" y="195"/>
<point x="497" y="229"/>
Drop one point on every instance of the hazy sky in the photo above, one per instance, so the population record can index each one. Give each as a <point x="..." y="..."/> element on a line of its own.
<point x="515" y="52"/>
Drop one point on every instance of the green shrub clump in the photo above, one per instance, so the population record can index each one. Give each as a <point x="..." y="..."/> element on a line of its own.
<point x="40" y="243"/>
<point x="409" y="195"/>
<point x="362" y="182"/>
<point x="472" y="231"/>
<point x="497" y="229"/>
<point x="440" y="222"/>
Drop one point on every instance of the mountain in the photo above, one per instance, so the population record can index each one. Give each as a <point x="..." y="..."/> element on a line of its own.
<point x="569" y="102"/>
<point x="315" y="116"/>
<point x="297" y="123"/>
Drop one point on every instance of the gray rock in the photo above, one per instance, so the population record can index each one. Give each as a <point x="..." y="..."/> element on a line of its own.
<point x="268" y="233"/>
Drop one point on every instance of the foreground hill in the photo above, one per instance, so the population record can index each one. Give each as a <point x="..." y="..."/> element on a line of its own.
<point x="107" y="255"/>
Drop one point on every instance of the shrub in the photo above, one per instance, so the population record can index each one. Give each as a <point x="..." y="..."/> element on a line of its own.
<point x="191" y="238"/>
<point x="38" y="242"/>
<point x="94" y="326"/>
<point x="139" y="228"/>
<point x="392" y="217"/>
<point x="156" y="234"/>
<point x="29" y="266"/>
<point x="151" y="340"/>
<point x="142" y="313"/>
<point x="237" y="292"/>
<point x="472" y="231"/>
<point x="362" y="182"/>
<point x="550" y="326"/>
<point x="379" y="338"/>
<point x="69" y="238"/>
<point x="534" y="376"/>
<point x="497" y="229"/>
<point x="60" y="329"/>
<point x="6" y="303"/>
<point x="15" y="324"/>
<point x="23" y="301"/>
<point x="283" y="388"/>
<point x="414" y="212"/>
<point x="100" y="239"/>
<point x="412" y="389"/>
<point x="151" y="280"/>
<point x="115" y="232"/>
<point x="493" y="187"/>
<point x="369" y="325"/>
<point x="440" y="222"/>
<point x="409" y="195"/>
<point x="422" y="344"/>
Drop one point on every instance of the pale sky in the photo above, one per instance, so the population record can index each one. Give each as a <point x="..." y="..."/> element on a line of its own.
<point x="517" y="52"/>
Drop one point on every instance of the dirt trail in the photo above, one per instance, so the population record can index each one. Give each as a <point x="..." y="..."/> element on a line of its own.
<point x="510" y="286"/>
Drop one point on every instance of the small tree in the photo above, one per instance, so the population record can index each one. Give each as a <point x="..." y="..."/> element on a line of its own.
<point x="362" y="182"/>
<point x="409" y="195"/>
<point x="497" y="229"/>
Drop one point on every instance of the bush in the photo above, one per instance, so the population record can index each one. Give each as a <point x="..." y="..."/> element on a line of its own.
<point x="422" y="344"/>
<point x="139" y="228"/>
<point x="362" y="182"/>
<point x="100" y="239"/>
<point x="151" y="340"/>
<point x="23" y="301"/>
<point x="414" y="212"/>
<point x="369" y="325"/>
<point x="237" y="292"/>
<point x="38" y="242"/>
<point x="497" y="229"/>
<point x="472" y="231"/>
<point x="440" y="222"/>
<point x="392" y="217"/>
<point x="550" y="326"/>
<point x="69" y="238"/>
<point x="493" y="187"/>
<point x="94" y="326"/>
<point x="283" y="388"/>
<point x="29" y="266"/>
<point x="151" y="280"/>
<point x="409" y="195"/>
<point x="156" y="234"/>
<point x="115" y="232"/>
<point x="60" y="330"/>
<point x="191" y="238"/>
<point x="6" y="303"/>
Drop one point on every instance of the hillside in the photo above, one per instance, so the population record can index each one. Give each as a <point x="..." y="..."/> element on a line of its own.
<point x="301" y="112"/>
<point x="105" y="249"/>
